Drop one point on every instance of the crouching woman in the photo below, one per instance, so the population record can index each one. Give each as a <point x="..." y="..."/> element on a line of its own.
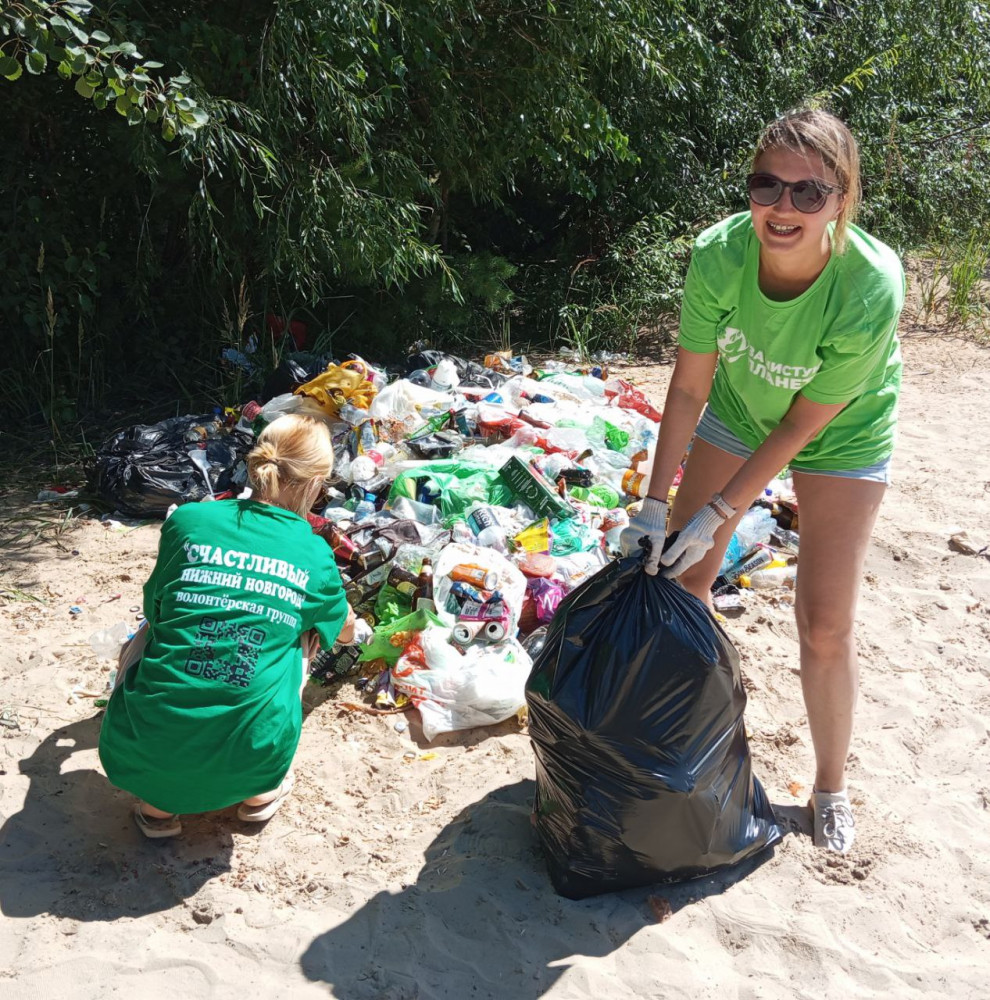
<point x="242" y="593"/>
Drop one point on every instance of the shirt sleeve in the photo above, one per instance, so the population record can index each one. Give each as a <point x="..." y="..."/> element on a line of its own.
<point x="168" y="544"/>
<point x="700" y="311"/>
<point x="853" y="362"/>
<point x="326" y="608"/>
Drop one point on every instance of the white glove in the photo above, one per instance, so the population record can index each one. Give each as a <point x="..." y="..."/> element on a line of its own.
<point x="362" y="633"/>
<point x="696" y="537"/>
<point x="650" y="522"/>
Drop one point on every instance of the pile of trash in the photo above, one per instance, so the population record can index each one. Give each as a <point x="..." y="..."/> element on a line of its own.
<point x="466" y="501"/>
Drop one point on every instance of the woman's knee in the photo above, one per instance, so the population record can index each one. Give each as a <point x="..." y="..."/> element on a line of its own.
<point x="825" y="636"/>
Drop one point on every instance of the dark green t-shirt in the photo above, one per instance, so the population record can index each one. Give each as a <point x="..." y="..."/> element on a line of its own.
<point x="834" y="343"/>
<point x="212" y="714"/>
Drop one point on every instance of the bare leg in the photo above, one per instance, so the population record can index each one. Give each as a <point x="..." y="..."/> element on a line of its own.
<point x="153" y="813"/>
<point x="708" y="469"/>
<point x="837" y="518"/>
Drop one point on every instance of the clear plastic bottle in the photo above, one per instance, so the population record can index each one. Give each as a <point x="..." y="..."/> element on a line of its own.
<point x="754" y="528"/>
<point x="770" y="577"/>
<point x="485" y="527"/>
<point x="365" y="508"/>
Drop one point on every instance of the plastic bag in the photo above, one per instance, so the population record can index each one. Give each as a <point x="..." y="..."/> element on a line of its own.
<point x="636" y="716"/>
<point x="145" y="469"/>
<point x="509" y="581"/>
<point x="455" y="690"/>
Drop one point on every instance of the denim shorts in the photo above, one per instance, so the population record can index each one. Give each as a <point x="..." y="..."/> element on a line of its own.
<point x="712" y="430"/>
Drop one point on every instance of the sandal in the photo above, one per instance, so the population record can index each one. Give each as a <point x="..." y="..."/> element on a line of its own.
<point x="259" y="814"/>
<point x="835" y="827"/>
<point x="156" y="828"/>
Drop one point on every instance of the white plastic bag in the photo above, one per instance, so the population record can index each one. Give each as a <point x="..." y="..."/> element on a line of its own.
<point x="510" y="581"/>
<point x="454" y="690"/>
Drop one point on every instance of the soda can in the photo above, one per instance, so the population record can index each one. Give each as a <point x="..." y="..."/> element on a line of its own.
<point x="477" y="576"/>
<point x="371" y="555"/>
<point x="494" y="631"/>
<point x="465" y="592"/>
<point x="464" y="633"/>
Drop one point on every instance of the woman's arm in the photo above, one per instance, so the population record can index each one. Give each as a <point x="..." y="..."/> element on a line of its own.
<point x="690" y="386"/>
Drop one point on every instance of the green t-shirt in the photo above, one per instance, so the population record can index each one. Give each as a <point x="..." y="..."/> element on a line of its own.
<point x="834" y="343"/>
<point x="211" y="715"/>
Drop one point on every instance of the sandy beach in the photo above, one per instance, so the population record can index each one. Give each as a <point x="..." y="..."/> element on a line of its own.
<point x="407" y="870"/>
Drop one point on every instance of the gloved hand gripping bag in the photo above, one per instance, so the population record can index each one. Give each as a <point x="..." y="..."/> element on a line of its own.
<point x="643" y="770"/>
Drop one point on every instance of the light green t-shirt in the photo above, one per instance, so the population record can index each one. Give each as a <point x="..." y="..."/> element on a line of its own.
<point x="211" y="715"/>
<point x="834" y="343"/>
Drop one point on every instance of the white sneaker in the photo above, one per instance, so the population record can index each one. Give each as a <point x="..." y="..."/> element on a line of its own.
<point x="835" y="827"/>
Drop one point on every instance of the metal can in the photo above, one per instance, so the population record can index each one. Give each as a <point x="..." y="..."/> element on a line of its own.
<point x="477" y="576"/>
<point x="403" y="580"/>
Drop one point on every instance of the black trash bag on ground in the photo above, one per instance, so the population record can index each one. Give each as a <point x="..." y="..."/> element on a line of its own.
<point x="144" y="469"/>
<point x="293" y="371"/>
<point x="469" y="372"/>
<point x="636" y="716"/>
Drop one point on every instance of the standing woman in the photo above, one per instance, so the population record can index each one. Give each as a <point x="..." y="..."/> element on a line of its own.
<point x="211" y="713"/>
<point x="788" y="332"/>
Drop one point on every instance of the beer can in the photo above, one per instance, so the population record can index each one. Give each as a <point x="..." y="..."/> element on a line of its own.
<point x="493" y="631"/>
<point x="464" y="633"/>
<point x="465" y="592"/>
<point x="477" y="576"/>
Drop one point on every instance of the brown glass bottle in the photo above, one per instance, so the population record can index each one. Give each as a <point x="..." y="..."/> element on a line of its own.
<point x="423" y="596"/>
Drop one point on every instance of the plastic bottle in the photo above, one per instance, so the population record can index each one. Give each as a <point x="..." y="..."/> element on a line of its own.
<point x="106" y="642"/>
<point x="754" y="528"/>
<point x="770" y="577"/>
<point x="485" y="527"/>
<point x="445" y="377"/>
<point x="627" y="481"/>
<point x="365" y="508"/>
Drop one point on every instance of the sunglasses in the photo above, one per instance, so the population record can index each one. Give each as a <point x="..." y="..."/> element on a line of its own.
<point x="806" y="196"/>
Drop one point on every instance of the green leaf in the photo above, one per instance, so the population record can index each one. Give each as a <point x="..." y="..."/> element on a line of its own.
<point x="130" y="49"/>
<point x="100" y="36"/>
<point x="83" y="89"/>
<point x="100" y="100"/>
<point x="153" y="65"/>
<point x="79" y="33"/>
<point x="15" y="73"/>
<point x="199" y="116"/>
<point x="8" y="65"/>
<point x="168" y="129"/>
<point x="60" y="27"/>
<point x="64" y="70"/>
<point x="122" y="104"/>
<point x="134" y="116"/>
<point x="36" y="62"/>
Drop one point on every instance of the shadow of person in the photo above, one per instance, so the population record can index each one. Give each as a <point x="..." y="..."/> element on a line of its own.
<point x="482" y="919"/>
<point x="74" y="851"/>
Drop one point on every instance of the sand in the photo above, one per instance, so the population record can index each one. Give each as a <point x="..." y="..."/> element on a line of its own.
<point x="401" y="869"/>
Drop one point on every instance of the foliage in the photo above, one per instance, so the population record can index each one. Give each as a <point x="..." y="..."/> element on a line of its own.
<point x="387" y="171"/>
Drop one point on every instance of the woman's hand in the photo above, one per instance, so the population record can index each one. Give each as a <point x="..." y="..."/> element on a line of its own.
<point x="651" y="523"/>
<point x="696" y="537"/>
<point x="346" y="636"/>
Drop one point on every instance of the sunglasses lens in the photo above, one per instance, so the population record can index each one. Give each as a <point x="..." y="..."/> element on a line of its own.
<point x="808" y="196"/>
<point x="764" y="189"/>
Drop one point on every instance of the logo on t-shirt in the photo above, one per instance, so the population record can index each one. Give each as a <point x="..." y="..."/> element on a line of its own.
<point x="733" y="345"/>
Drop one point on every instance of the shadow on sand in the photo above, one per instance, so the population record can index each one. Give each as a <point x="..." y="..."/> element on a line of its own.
<point x="484" y="890"/>
<point x="73" y="850"/>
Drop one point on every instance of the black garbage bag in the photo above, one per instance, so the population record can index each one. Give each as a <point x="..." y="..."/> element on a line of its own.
<point x="636" y="715"/>
<point x="469" y="372"/>
<point x="144" y="469"/>
<point x="293" y="371"/>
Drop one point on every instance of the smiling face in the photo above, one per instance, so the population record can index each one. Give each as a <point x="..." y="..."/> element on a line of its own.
<point x="785" y="234"/>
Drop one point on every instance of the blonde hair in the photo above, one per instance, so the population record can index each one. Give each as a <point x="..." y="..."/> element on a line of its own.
<point x="292" y="450"/>
<point x="820" y="132"/>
